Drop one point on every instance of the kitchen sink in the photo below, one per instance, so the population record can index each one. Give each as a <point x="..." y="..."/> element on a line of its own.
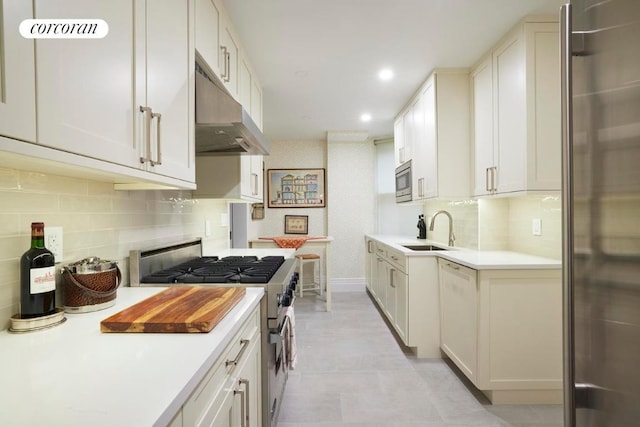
<point x="424" y="248"/>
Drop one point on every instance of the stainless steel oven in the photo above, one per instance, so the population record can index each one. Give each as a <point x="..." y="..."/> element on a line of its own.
<point x="184" y="264"/>
<point x="403" y="182"/>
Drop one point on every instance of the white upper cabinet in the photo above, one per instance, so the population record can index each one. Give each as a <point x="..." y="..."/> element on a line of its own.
<point x="169" y="81"/>
<point x="433" y="132"/>
<point x="230" y="177"/>
<point x="525" y="112"/>
<point x="17" y="73"/>
<point x="398" y="140"/>
<point x="482" y="114"/>
<point x="220" y="50"/>
<point x="126" y="99"/>
<point x="230" y="55"/>
<point x="86" y="88"/>
<point x="256" y="101"/>
<point x="208" y="25"/>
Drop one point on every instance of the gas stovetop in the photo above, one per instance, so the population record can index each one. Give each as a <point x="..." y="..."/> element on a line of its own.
<point x="231" y="269"/>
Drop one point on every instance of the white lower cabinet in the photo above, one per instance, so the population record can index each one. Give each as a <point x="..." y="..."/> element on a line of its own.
<point x="230" y="393"/>
<point x="503" y="329"/>
<point x="406" y="290"/>
<point x="459" y="316"/>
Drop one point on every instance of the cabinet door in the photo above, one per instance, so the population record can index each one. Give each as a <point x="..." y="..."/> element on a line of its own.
<point x="17" y="73"/>
<point x="482" y="115"/>
<point x="244" y="83"/>
<point x="382" y="280"/>
<point x="401" y="318"/>
<point x="459" y="316"/>
<point x="510" y="114"/>
<point x="406" y="151"/>
<point x="543" y="107"/>
<point x="256" y="102"/>
<point x="429" y="152"/>
<point x="207" y="33"/>
<point x="390" y="305"/>
<point x="248" y="399"/>
<point x="251" y="180"/>
<point x="169" y="79"/>
<point x="86" y="88"/>
<point x="418" y="149"/>
<point x="398" y="141"/>
<point x="229" y="51"/>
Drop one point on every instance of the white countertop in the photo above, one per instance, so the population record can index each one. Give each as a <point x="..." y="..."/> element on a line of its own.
<point x="478" y="260"/>
<point x="72" y="375"/>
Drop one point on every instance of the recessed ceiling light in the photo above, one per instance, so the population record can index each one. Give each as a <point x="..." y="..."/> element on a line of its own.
<point x="366" y="117"/>
<point x="385" y="74"/>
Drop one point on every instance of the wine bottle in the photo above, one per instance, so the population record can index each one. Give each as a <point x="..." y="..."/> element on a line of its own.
<point x="37" y="277"/>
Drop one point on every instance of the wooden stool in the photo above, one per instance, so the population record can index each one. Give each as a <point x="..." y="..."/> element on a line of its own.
<point x="313" y="286"/>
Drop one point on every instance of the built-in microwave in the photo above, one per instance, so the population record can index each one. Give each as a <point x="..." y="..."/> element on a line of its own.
<point x="403" y="182"/>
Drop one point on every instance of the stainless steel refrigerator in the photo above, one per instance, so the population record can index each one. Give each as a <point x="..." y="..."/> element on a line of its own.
<point x="601" y="203"/>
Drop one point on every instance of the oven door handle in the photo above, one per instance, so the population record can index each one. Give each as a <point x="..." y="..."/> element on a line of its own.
<point x="278" y="337"/>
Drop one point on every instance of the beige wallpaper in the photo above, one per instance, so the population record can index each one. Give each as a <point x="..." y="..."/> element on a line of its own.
<point x="284" y="155"/>
<point x="96" y="221"/>
<point x="351" y="174"/>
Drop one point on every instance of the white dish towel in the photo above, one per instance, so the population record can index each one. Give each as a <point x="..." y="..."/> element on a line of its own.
<point x="290" y="343"/>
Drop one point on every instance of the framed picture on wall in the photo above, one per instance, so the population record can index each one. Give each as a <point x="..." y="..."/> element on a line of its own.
<point x="296" y="224"/>
<point x="296" y="188"/>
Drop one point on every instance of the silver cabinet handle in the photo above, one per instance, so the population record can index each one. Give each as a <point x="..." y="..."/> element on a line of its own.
<point x="394" y="258"/>
<point x="244" y="407"/>
<point x="494" y="174"/>
<point x="421" y="187"/>
<point x="486" y="179"/>
<point x="158" y="160"/>
<point x="380" y="250"/>
<point x="225" y="56"/>
<point x="566" y="49"/>
<point x="393" y="285"/>
<point x="401" y="154"/>
<point x="370" y="246"/>
<point x="147" y="112"/>
<point x="453" y="266"/>
<point x="247" y="400"/>
<point x="234" y="362"/>
<point x="226" y="75"/>
<point x="254" y="184"/>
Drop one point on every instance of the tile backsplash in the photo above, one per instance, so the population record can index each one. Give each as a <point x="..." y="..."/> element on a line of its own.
<point x="502" y="224"/>
<point x="96" y="221"/>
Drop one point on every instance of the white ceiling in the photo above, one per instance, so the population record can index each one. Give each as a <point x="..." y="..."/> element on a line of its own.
<point x="318" y="60"/>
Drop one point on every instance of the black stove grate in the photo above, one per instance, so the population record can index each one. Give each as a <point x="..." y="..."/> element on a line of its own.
<point x="232" y="269"/>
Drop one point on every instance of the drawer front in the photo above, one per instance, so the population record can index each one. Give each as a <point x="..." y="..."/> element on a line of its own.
<point x="380" y="249"/>
<point x="202" y="401"/>
<point x="397" y="258"/>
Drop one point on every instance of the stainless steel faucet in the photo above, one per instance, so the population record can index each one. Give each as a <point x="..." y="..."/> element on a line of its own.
<point x="452" y="237"/>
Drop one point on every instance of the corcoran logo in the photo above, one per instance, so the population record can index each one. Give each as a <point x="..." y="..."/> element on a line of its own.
<point x="63" y="28"/>
<point x="49" y="277"/>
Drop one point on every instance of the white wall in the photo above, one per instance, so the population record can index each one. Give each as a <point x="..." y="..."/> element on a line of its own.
<point x="392" y="218"/>
<point x="351" y="210"/>
<point x="96" y="221"/>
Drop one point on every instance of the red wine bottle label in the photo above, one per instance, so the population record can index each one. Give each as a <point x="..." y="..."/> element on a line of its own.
<point x="43" y="280"/>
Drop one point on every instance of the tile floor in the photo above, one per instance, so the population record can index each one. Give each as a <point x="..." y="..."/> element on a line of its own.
<point x="351" y="371"/>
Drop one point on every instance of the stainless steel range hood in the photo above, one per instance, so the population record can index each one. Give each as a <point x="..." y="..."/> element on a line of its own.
<point x="223" y="126"/>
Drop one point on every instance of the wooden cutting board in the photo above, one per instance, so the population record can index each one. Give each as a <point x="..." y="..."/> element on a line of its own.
<point x="176" y="309"/>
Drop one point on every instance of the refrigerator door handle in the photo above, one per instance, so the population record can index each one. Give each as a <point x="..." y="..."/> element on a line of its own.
<point x="567" y="223"/>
